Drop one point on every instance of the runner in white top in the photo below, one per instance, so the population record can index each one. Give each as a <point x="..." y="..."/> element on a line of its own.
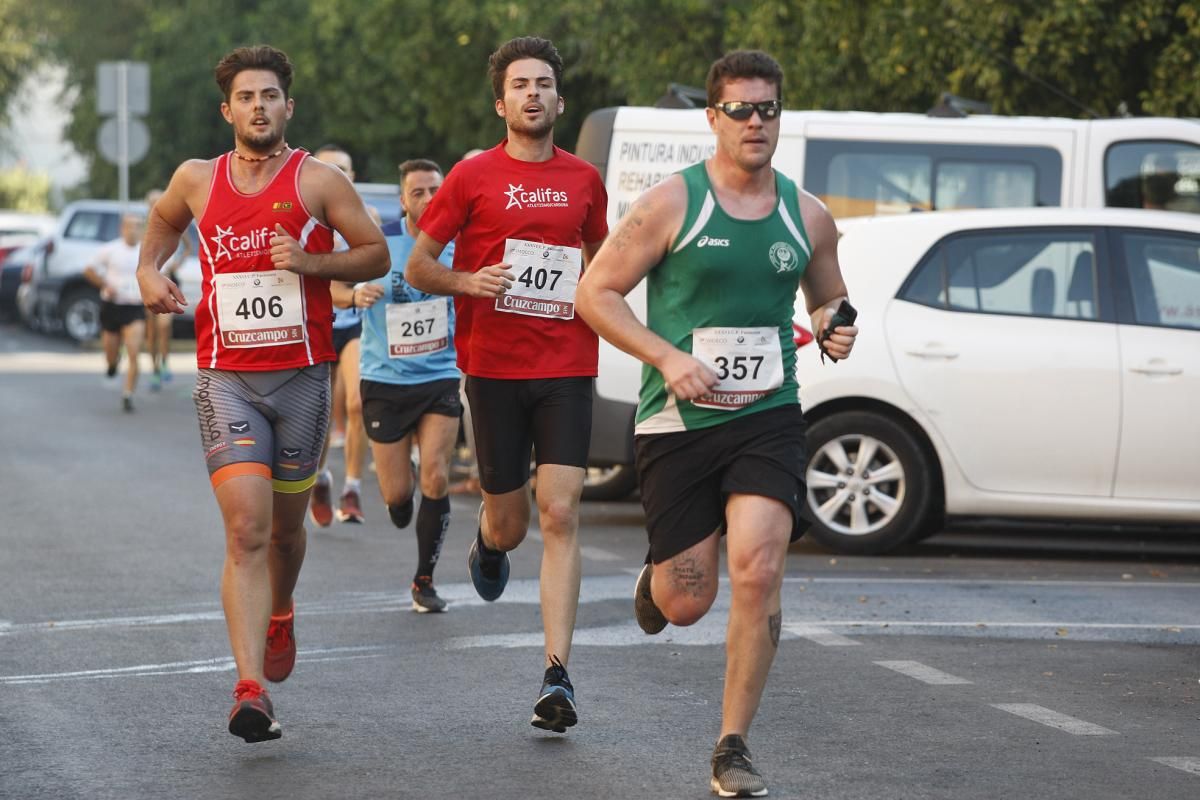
<point x="113" y="270"/>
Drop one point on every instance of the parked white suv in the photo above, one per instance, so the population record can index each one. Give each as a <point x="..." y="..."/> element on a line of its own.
<point x="63" y="298"/>
<point x="1032" y="363"/>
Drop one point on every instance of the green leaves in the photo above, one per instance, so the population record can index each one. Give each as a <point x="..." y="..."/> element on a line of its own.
<point x="395" y="79"/>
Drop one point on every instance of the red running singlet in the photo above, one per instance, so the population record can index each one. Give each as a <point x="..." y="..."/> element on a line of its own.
<point x="251" y="316"/>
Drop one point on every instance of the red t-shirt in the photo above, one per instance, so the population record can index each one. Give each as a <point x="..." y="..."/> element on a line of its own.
<point x="493" y="197"/>
<point x="281" y="320"/>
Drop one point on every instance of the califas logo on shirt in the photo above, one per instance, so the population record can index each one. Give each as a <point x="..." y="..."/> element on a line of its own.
<point x="783" y="256"/>
<point x="522" y="198"/>
<point x="230" y="245"/>
<point x="711" y="241"/>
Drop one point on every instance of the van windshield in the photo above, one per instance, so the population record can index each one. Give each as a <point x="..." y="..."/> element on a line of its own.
<point x="1153" y="174"/>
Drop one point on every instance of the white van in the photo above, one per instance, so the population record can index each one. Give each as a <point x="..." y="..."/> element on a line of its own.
<point x="864" y="164"/>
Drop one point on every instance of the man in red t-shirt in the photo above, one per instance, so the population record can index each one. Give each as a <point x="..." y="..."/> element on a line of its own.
<point x="266" y="215"/>
<point x="527" y="217"/>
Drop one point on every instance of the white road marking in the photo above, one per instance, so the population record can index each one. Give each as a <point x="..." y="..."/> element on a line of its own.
<point x="821" y="636"/>
<point x="597" y="554"/>
<point x="224" y="664"/>
<point x="63" y="363"/>
<point x="989" y="582"/>
<point x="1053" y="719"/>
<point x="983" y="624"/>
<point x="459" y="595"/>
<point x="1191" y="765"/>
<point x="923" y="673"/>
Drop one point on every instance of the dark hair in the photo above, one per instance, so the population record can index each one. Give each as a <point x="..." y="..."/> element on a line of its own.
<point x="417" y="165"/>
<point x="262" y="57"/>
<point x="742" y="64"/>
<point x="517" y="49"/>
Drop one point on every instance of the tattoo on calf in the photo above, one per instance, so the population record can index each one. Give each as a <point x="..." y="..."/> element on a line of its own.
<point x="775" y="624"/>
<point x="687" y="575"/>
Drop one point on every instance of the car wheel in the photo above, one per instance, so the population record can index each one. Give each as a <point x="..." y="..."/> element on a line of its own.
<point x="81" y="315"/>
<point x="609" y="483"/>
<point x="869" y="483"/>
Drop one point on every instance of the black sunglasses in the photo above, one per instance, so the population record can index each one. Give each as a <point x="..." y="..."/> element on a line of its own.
<point x="742" y="111"/>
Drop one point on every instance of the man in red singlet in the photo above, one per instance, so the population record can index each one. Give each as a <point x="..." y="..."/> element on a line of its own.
<point x="526" y="216"/>
<point x="264" y="342"/>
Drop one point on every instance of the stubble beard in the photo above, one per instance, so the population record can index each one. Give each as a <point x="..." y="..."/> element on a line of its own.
<point x="262" y="143"/>
<point x="539" y="130"/>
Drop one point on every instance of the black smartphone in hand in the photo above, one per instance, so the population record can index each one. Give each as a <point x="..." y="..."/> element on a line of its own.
<point x="845" y="315"/>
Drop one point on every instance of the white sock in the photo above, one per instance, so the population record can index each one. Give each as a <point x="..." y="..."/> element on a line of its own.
<point x="352" y="485"/>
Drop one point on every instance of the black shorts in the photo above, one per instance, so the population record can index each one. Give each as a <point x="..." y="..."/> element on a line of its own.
<point x="513" y="419"/>
<point x="115" y="316"/>
<point x="686" y="477"/>
<point x="344" y="336"/>
<point x="391" y="411"/>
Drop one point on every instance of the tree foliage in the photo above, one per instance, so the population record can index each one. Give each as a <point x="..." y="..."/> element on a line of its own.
<point x="394" y="79"/>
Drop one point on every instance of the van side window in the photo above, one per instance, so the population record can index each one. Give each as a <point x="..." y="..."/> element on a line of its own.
<point x="1010" y="272"/>
<point x="1153" y="174"/>
<point x="856" y="178"/>
<point x="1164" y="270"/>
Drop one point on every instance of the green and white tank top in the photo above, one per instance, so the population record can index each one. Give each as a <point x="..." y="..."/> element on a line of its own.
<point x="726" y="294"/>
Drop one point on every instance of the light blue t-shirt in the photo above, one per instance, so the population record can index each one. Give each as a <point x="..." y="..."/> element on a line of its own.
<point x="377" y="364"/>
<point x="343" y="317"/>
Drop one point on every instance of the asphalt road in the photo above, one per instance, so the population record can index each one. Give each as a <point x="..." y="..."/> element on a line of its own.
<point x="990" y="662"/>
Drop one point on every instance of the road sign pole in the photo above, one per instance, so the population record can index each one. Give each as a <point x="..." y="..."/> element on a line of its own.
<point x="123" y="131"/>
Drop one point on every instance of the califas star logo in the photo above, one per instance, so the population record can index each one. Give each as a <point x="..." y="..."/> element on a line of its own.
<point x="512" y="196"/>
<point x="219" y="241"/>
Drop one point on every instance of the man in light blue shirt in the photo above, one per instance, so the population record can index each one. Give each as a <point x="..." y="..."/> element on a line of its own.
<point x="410" y="383"/>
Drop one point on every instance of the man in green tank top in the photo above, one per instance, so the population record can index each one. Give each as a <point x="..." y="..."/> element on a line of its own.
<point x="724" y="246"/>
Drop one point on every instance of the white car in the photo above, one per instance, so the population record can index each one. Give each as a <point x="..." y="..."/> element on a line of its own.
<point x="1035" y="363"/>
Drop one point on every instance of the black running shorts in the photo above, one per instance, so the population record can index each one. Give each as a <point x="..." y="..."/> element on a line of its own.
<point x="344" y="336"/>
<point x="686" y="477"/>
<point x="270" y="424"/>
<point x="513" y="419"/>
<point x="115" y="316"/>
<point x="391" y="411"/>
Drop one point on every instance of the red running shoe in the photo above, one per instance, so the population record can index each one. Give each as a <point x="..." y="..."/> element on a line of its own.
<point x="349" y="509"/>
<point x="280" y="656"/>
<point x="320" y="506"/>
<point x="253" y="717"/>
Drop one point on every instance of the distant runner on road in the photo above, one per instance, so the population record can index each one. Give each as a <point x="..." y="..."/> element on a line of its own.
<point x="410" y="384"/>
<point x="113" y="270"/>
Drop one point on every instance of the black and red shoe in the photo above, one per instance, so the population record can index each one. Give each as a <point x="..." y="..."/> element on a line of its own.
<point x="253" y="717"/>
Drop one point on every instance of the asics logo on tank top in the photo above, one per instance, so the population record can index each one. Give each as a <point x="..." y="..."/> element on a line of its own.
<point x="711" y="241"/>
<point x="230" y="244"/>
<point x="521" y="198"/>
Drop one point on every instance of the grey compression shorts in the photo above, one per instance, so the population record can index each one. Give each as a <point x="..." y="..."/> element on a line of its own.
<point x="271" y="424"/>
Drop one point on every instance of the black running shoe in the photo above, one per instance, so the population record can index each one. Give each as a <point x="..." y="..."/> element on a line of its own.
<point x="425" y="597"/>
<point x="489" y="568"/>
<point x="649" y="617"/>
<point x="732" y="773"/>
<point x="555" y="708"/>
<point x="402" y="514"/>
